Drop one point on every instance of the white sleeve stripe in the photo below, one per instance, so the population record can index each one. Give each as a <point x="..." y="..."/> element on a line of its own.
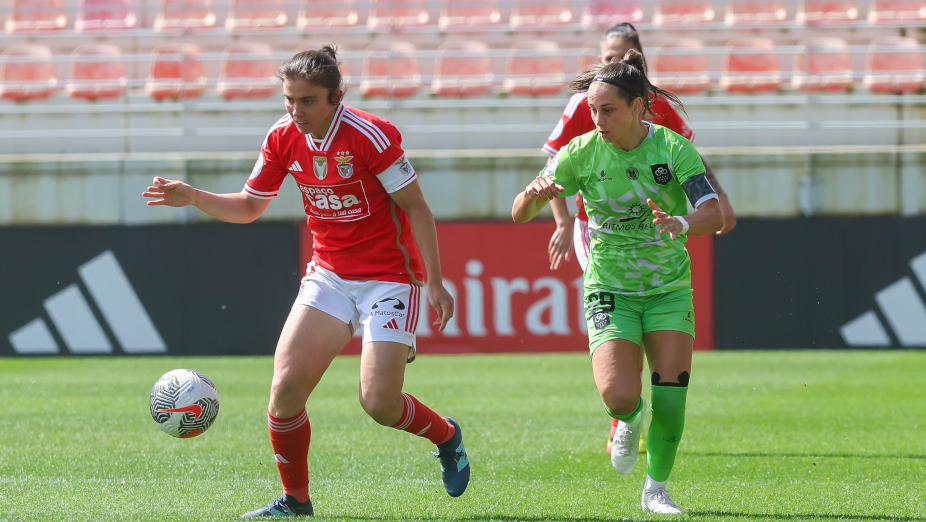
<point x="405" y="183"/>
<point x="272" y="193"/>
<point x="549" y="150"/>
<point x="379" y="148"/>
<point x="373" y="129"/>
<point x="705" y="198"/>
<point x="574" y="103"/>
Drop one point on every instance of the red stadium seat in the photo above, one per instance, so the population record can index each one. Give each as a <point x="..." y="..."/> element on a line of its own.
<point x="589" y="55"/>
<point x="36" y="15"/>
<point x="105" y="15"/>
<point x="469" y="14"/>
<point x="395" y="14"/>
<point x="27" y="73"/>
<point x="326" y="13"/>
<point x="682" y="12"/>
<point x="814" y="12"/>
<point x="750" y="65"/>
<point x="97" y="72"/>
<point x="185" y="15"/>
<point x="391" y="70"/>
<point x="176" y="73"/>
<point x="463" y="69"/>
<point x="534" y="68"/>
<point x="679" y="66"/>
<point x="893" y="11"/>
<point x="894" y="65"/>
<point x="535" y="14"/>
<point x="601" y="14"/>
<point x="256" y="14"/>
<point x="823" y="65"/>
<point x="755" y="12"/>
<point x="248" y="71"/>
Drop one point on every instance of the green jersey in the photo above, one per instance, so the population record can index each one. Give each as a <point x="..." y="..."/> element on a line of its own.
<point x="628" y="255"/>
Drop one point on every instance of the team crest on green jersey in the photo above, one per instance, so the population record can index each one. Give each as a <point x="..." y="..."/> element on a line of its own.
<point x="632" y="173"/>
<point x="661" y="173"/>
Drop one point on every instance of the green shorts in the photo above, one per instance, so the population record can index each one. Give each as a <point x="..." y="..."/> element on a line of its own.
<point x="615" y="316"/>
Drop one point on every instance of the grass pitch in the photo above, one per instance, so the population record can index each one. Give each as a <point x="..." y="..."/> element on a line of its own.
<point x="770" y="436"/>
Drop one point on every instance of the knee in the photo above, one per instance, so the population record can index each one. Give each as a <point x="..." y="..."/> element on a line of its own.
<point x="287" y="398"/>
<point x="384" y="410"/>
<point x="618" y="401"/>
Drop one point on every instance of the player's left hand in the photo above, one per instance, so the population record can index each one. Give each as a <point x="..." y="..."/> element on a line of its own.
<point x="442" y="302"/>
<point x="668" y="223"/>
<point x="559" y="247"/>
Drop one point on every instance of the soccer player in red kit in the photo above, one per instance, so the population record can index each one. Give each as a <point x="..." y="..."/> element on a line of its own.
<point x="374" y="239"/>
<point x="576" y="121"/>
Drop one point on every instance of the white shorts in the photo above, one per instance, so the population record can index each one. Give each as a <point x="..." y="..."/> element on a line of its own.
<point x="581" y="241"/>
<point x="387" y="311"/>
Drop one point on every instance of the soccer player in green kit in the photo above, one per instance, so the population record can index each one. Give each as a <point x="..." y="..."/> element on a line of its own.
<point x="635" y="177"/>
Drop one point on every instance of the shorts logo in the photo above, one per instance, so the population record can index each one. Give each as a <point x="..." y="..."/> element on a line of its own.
<point x="345" y="169"/>
<point x="661" y="173"/>
<point x="398" y="306"/>
<point x="632" y="173"/>
<point x="601" y="320"/>
<point x="688" y="317"/>
<point x="320" y="166"/>
<point x="391" y="325"/>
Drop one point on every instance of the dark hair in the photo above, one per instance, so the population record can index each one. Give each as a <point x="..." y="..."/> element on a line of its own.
<point x="628" y="75"/>
<point x="626" y="31"/>
<point x="318" y="67"/>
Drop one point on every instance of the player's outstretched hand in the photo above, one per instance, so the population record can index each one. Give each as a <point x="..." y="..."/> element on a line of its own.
<point x="560" y="245"/>
<point x="169" y="192"/>
<point x="543" y="187"/>
<point x="668" y="223"/>
<point x="442" y="302"/>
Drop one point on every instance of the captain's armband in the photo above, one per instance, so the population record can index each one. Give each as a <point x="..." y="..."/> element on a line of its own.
<point x="698" y="190"/>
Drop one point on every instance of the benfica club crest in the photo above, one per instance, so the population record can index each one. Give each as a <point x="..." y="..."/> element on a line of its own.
<point x="345" y="169"/>
<point x="320" y="166"/>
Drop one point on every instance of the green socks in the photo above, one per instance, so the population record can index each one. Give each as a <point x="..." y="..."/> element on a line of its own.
<point x="665" y="431"/>
<point x="630" y="416"/>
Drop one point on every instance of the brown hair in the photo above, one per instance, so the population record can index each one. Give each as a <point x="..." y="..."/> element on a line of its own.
<point x="318" y="67"/>
<point x="628" y="75"/>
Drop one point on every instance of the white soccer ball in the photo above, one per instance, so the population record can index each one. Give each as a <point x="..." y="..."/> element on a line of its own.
<point x="184" y="403"/>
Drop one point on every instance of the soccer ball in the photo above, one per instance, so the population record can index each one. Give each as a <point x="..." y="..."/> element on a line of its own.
<point x="184" y="403"/>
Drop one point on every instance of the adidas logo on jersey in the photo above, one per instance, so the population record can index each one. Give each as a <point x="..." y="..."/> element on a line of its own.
<point x="295" y="167"/>
<point x="391" y="325"/>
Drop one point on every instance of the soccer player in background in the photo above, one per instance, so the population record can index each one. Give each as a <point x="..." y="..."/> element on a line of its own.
<point x="374" y="240"/>
<point x="634" y="176"/>
<point x="576" y="121"/>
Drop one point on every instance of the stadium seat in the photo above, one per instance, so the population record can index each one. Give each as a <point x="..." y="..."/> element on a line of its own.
<point x="813" y="12"/>
<point x="536" y="14"/>
<point x="755" y="12"/>
<point x="105" y="15"/>
<point x="36" y="15"/>
<point x="463" y="69"/>
<point x="27" y="73"/>
<point x="255" y="14"/>
<point x="176" y="73"/>
<point x="893" y="11"/>
<point x="472" y="14"/>
<point x="679" y="66"/>
<point x="588" y="55"/>
<point x="822" y="65"/>
<point x="602" y="14"/>
<point x="185" y="15"/>
<point x="97" y="72"/>
<point x="682" y="12"/>
<point x="750" y="65"/>
<point x="534" y="68"/>
<point x="391" y="70"/>
<point x="248" y="70"/>
<point x="326" y="13"/>
<point x="397" y="14"/>
<point x="894" y="65"/>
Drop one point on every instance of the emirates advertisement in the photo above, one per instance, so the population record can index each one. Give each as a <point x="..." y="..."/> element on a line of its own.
<point x="507" y="298"/>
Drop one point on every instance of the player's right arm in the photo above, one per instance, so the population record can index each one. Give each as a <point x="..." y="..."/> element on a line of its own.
<point x="233" y="208"/>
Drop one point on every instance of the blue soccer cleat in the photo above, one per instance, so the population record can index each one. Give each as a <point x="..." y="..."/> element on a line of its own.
<point x="285" y="506"/>
<point x="454" y="465"/>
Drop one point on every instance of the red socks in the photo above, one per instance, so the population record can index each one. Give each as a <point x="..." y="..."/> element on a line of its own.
<point x="420" y="420"/>
<point x="290" y="439"/>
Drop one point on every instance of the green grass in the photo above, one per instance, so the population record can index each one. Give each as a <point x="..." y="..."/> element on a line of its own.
<point x="770" y="436"/>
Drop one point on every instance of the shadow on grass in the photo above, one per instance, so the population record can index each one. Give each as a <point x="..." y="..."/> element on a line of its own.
<point x="803" y="455"/>
<point x="799" y="516"/>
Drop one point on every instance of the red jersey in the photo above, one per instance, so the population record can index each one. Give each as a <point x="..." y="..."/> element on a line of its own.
<point x="358" y="232"/>
<point x="577" y="120"/>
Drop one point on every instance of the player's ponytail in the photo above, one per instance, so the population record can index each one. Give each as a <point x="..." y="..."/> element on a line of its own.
<point x="628" y="76"/>
<point x="318" y="67"/>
